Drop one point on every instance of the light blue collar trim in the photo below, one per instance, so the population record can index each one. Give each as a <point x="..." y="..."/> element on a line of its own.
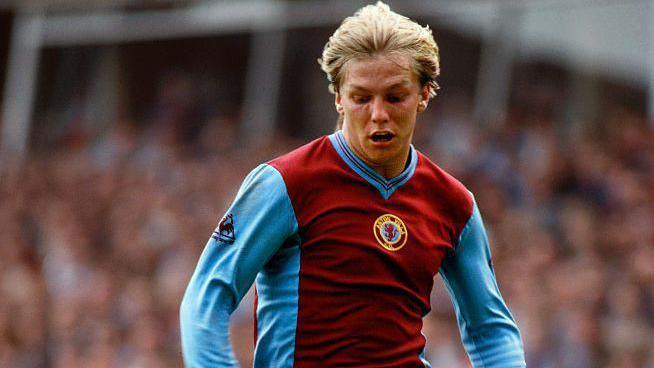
<point x="385" y="186"/>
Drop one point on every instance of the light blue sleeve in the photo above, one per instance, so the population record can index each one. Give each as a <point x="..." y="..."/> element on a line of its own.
<point x="489" y="334"/>
<point x="262" y="218"/>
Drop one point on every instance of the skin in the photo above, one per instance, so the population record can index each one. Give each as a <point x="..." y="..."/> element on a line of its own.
<point x="381" y="94"/>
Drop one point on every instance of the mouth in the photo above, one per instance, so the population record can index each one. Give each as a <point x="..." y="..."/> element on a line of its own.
<point x="382" y="137"/>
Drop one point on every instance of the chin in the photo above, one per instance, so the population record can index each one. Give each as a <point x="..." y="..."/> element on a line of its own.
<point x="386" y="152"/>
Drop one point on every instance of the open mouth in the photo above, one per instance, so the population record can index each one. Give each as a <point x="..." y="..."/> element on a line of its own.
<point x="382" y="137"/>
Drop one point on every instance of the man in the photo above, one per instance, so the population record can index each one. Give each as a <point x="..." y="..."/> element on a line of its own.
<point x="344" y="236"/>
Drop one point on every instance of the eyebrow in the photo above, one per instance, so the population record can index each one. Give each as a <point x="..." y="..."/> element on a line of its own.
<point x="403" y="83"/>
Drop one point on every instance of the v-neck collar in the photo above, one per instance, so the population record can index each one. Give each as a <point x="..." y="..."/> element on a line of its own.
<point x="386" y="187"/>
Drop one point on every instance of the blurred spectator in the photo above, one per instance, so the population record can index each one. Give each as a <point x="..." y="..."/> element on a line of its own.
<point x="97" y="245"/>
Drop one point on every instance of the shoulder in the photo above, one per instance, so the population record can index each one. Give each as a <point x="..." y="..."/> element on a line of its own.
<point x="447" y="187"/>
<point x="448" y="192"/>
<point x="311" y="173"/>
<point x="264" y="181"/>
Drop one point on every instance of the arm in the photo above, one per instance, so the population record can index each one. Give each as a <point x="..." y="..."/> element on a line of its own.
<point x="262" y="219"/>
<point x="488" y="331"/>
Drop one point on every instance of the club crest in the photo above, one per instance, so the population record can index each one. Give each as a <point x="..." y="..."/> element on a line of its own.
<point x="390" y="232"/>
<point x="225" y="230"/>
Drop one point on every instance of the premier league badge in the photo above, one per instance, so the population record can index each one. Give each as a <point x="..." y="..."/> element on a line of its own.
<point x="225" y="231"/>
<point x="390" y="232"/>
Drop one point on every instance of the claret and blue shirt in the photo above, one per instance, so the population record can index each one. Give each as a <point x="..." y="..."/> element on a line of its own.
<point x="343" y="262"/>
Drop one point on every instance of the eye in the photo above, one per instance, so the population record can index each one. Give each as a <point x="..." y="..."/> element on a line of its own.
<point x="361" y="99"/>
<point x="395" y="98"/>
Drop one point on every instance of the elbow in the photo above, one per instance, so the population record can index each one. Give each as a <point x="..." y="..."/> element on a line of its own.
<point x="496" y="344"/>
<point x="193" y="315"/>
<point x="501" y="329"/>
<point x="204" y="334"/>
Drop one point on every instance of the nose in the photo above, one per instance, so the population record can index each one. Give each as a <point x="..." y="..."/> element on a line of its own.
<point x="379" y="113"/>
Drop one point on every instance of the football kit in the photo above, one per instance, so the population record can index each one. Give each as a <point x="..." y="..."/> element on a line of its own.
<point x="343" y="262"/>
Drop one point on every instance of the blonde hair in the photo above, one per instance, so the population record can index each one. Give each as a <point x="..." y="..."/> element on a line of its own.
<point x="376" y="29"/>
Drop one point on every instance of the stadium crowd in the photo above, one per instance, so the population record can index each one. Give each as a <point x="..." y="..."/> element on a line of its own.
<point x="99" y="238"/>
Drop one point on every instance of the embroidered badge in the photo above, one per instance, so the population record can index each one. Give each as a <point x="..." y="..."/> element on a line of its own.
<point x="390" y="232"/>
<point x="225" y="231"/>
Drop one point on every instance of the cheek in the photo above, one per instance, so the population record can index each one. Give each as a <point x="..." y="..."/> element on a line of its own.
<point x="405" y="112"/>
<point x="356" y="113"/>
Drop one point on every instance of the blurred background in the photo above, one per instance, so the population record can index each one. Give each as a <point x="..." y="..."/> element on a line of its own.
<point x="127" y="126"/>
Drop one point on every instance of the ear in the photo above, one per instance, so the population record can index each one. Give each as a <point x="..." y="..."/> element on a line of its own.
<point x="337" y="103"/>
<point x="424" y="98"/>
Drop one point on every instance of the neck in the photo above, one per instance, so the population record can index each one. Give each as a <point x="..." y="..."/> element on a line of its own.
<point x="388" y="170"/>
<point x="392" y="170"/>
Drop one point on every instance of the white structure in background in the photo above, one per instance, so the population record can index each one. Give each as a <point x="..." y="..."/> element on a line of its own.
<point x="610" y="37"/>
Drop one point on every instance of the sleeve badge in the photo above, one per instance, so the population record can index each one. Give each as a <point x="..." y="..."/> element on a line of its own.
<point x="225" y="231"/>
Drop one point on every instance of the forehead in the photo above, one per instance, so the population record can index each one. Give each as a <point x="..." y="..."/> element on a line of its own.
<point x="379" y="72"/>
